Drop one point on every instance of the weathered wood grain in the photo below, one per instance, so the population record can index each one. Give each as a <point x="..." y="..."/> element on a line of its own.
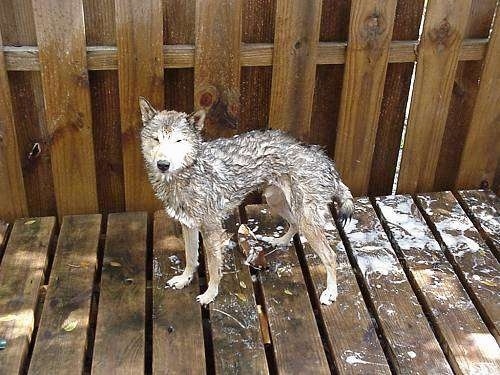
<point x="120" y="331"/>
<point x="288" y="307"/>
<point x="469" y="346"/>
<point x="12" y="193"/>
<point x="217" y="65"/>
<point x="463" y="97"/>
<point x="100" y="30"/>
<point x="412" y="345"/>
<point x="62" y="335"/>
<point x="236" y="335"/>
<point x="177" y="322"/>
<point x="22" y="273"/>
<point x="139" y="40"/>
<point x="18" y="28"/>
<point x="473" y="261"/>
<point x="334" y="27"/>
<point x="4" y="235"/>
<point x="296" y="38"/>
<point x="178" y="31"/>
<point x="483" y="208"/>
<point x="442" y="35"/>
<point x="370" y="33"/>
<point x="395" y="97"/>
<point x="476" y="165"/>
<point x="352" y="338"/>
<point x="60" y="33"/>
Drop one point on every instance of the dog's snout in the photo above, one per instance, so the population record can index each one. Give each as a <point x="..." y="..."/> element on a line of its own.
<point x="163" y="165"/>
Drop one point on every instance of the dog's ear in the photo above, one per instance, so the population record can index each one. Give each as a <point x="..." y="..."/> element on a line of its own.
<point x="197" y="119"/>
<point x="147" y="109"/>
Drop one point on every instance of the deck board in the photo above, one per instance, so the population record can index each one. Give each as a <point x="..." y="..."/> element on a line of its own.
<point x="21" y="274"/>
<point x="289" y="310"/>
<point x="483" y="208"/>
<point x="470" y="346"/>
<point x="62" y="336"/>
<point x="236" y="337"/>
<point x="476" y="265"/>
<point x="413" y="347"/>
<point x="120" y="332"/>
<point x="177" y="322"/>
<point x="351" y="333"/>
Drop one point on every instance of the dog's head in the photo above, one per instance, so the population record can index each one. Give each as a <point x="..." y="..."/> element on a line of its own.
<point x="170" y="140"/>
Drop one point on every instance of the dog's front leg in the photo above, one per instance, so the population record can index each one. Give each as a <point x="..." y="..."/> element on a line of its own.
<point x="213" y="241"/>
<point x="191" y="243"/>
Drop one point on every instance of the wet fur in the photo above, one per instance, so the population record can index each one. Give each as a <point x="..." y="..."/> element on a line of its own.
<point x="210" y="179"/>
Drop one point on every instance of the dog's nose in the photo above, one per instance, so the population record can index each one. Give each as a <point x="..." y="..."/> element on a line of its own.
<point x="163" y="165"/>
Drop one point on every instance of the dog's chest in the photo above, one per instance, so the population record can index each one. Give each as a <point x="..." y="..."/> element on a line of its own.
<point x="177" y="211"/>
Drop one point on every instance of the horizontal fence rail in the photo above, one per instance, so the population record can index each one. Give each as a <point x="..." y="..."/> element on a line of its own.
<point x="330" y="72"/>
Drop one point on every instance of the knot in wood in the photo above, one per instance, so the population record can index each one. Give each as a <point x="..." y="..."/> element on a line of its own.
<point x="441" y="35"/>
<point x="374" y="26"/>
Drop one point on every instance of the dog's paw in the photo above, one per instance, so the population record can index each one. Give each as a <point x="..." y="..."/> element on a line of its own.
<point x="207" y="297"/>
<point x="180" y="281"/>
<point x="328" y="296"/>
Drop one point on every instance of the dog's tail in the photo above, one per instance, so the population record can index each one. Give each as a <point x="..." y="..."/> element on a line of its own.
<point x="346" y="210"/>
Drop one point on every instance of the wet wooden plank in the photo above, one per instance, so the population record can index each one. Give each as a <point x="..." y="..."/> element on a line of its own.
<point x="100" y="30"/>
<point x="483" y="208"/>
<point x="296" y="38"/>
<point x="12" y="192"/>
<point x="236" y="336"/>
<point x="4" y="234"/>
<point x="438" y="52"/>
<point x="288" y="307"/>
<point x="363" y="86"/>
<point x="352" y="337"/>
<point x="139" y="40"/>
<point x="395" y="97"/>
<point x="62" y="335"/>
<point x="120" y="330"/>
<point x="412" y="345"/>
<point x="217" y="65"/>
<point x="60" y="31"/>
<point x="22" y="272"/>
<point x="177" y="321"/>
<point x="468" y="344"/>
<point x="479" y="159"/>
<point x="472" y="259"/>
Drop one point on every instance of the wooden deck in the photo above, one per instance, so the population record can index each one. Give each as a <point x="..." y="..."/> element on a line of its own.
<point x="419" y="293"/>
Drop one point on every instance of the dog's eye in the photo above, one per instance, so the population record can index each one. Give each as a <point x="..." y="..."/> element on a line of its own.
<point x="179" y="140"/>
<point x="156" y="139"/>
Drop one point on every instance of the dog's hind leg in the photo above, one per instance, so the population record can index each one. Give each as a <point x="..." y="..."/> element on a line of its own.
<point x="315" y="235"/>
<point x="191" y="243"/>
<point x="278" y="205"/>
<point x="214" y="240"/>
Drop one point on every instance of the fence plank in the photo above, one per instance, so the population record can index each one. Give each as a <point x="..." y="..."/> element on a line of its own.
<point x="178" y="28"/>
<point x="483" y="208"/>
<point x="458" y="324"/>
<point x="288" y="307"/>
<point x="412" y="345"/>
<point x="21" y="274"/>
<point x="444" y="27"/>
<point x="177" y="321"/>
<point x="370" y="33"/>
<point x="296" y="38"/>
<point x="120" y="330"/>
<point x="12" y="192"/>
<point x="140" y="73"/>
<point x="328" y="85"/>
<point x="100" y="30"/>
<point x="217" y="64"/>
<point x="62" y="335"/>
<point x="28" y="107"/>
<point x="476" y="165"/>
<point x="357" y="349"/>
<point x="63" y="62"/>
<point x="393" y="107"/>
<point x="257" y="27"/>
<point x="474" y="263"/>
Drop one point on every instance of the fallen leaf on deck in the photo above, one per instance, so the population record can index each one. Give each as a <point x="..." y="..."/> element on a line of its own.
<point x="241" y="296"/>
<point x="288" y="292"/>
<point x="69" y="324"/>
<point x="29" y="222"/>
<point x="243" y="285"/>
<point x="115" y="264"/>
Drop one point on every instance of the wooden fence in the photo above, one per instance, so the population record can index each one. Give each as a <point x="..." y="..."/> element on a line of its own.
<point x="333" y="72"/>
